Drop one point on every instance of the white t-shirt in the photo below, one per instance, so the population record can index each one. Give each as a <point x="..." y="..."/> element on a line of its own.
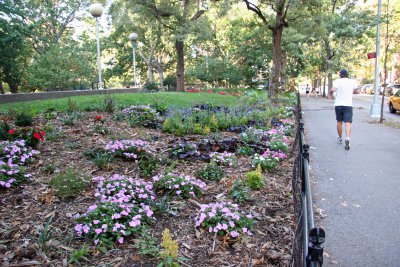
<point x="344" y="91"/>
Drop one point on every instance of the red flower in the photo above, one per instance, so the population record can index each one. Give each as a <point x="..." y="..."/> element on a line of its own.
<point x="27" y="127"/>
<point x="37" y="136"/>
<point x="210" y="91"/>
<point x="12" y="131"/>
<point x="42" y="133"/>
<point x="222" y="93"/>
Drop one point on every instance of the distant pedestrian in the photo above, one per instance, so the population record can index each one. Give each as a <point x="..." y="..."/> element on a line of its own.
<point x="344" y="88"/>
<point x="307" y="92"/>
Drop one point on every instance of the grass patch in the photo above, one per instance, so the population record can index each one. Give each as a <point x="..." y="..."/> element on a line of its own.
<point x="123" y="100"/>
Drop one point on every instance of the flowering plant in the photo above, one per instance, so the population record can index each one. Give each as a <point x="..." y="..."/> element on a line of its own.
<point x="120" y="209"/>
<point x="224" y="218"/>
<point x="99" y="120"/>
<point x="139" y="115"/>
<point x="181" y="185"/>
<point x="31" y="135"/>
<point x="268" y="160"/>
<point x="130" y="149"/>
<point x="253" y="135"/>
<point x="226" y="158"/>
<point x="13" y="155"/>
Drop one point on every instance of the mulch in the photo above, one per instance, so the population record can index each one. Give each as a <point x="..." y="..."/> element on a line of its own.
<point x="25" y="209"/>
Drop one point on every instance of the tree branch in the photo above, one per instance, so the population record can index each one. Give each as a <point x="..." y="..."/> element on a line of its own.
<point x="256" y="9"/>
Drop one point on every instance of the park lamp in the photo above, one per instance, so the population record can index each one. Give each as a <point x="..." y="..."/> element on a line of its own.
<point x="133" y="37"/>
<point x="96" y="10"/>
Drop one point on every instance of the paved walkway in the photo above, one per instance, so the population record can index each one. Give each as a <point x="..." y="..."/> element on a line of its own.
<point x="356" y="192"/>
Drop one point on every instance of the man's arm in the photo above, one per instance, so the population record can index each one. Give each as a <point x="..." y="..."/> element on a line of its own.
<point x="330" y="95"/>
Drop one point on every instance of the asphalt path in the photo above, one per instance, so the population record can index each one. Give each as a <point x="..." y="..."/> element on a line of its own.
<point x="355" y="192"/>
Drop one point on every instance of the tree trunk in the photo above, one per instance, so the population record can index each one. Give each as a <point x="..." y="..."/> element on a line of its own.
<point x="283" y="71"/>
<point x="1" y="88"/>
<point x="329" y="56"/>
<point x="276" y="63"/>
<point x="151" y="72"/>
<point x="13" y="88"/>
<point x="180" y="66"/>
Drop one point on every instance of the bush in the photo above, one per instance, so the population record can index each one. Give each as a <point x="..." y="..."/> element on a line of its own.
<point x="170" y="82"/>
<point x="140" y="115"/>
<point x="211" y="172"/>
<point x="150" y="86"/>
<point x="254" y="178"/>
<point x="4" y="130"/>
<point x="69" y="183"/>
<point x="23" y="119"/>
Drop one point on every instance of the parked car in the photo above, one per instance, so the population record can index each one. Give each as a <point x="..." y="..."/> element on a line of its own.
<point x="394" y="102"/>
<point x="393" y="88"/>
<point x="365" y="89"/>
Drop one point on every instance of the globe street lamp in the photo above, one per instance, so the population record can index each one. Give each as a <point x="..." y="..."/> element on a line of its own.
<point x="97" y="10"/>
<point x="133" y="37"/>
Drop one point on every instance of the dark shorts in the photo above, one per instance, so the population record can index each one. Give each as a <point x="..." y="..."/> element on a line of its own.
<point x="307" y="92"/>
<point x="344" y="113"/>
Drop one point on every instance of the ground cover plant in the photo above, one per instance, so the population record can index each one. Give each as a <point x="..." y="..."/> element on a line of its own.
<point x="140" y="195"/>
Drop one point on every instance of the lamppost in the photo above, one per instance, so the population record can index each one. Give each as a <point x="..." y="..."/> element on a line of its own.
<point x="97" y="10"/>
<point x="375" y="105"/>
<point x="133" y="37"/>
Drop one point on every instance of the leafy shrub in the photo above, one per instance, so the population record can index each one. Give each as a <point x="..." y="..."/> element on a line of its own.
<point x="69" y="183"/>
<point x="245" y="150"/>
<point x="254" y="178"/>
<point x="147" y="164"/>
<point x="170" y="82"/>
<point x="181" y="185"/>
<point x="140" y="115"/>
<point x="109" y="104"/>
<point x="100" y="158"/>
<point x="169" y="256"/>
<point x="147" y="243"/>
<point x="239" y="191"/>
<point x="50" y="113"/>
<point x="225" y="219"/>
<point x="4" y="130"/>
<point x="183" y="151"/>
<point x="122" y="209"/>
<point x="23" y="119"/>
<point x="150" y="86"/>
<point x="211" y="172"/>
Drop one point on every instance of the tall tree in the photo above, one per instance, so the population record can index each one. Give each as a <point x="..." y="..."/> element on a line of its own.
<point x="180" y="19"/>
<point x="341" y="23"/>
<point x="14" y="52"/>
<point x="51" y="20"/>
<point x="284" y="11"/>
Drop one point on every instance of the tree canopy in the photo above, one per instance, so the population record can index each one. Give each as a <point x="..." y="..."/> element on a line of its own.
<point x="51" y="45"/>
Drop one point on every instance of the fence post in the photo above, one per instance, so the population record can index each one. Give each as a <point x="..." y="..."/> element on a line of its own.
<point x="315" y="248"/>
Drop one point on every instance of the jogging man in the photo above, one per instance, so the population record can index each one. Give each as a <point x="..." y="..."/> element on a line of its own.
<point x="344" y="88"/>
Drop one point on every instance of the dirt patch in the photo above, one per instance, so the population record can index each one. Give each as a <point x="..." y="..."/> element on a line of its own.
<point x="25" y="209"/>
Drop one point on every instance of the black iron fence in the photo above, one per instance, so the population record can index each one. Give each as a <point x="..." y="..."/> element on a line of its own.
<point x="307" y="249"/>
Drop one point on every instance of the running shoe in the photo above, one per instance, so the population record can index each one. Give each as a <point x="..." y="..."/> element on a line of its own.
<point x="339" y="140"/>
<point x="347" y="144"/>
